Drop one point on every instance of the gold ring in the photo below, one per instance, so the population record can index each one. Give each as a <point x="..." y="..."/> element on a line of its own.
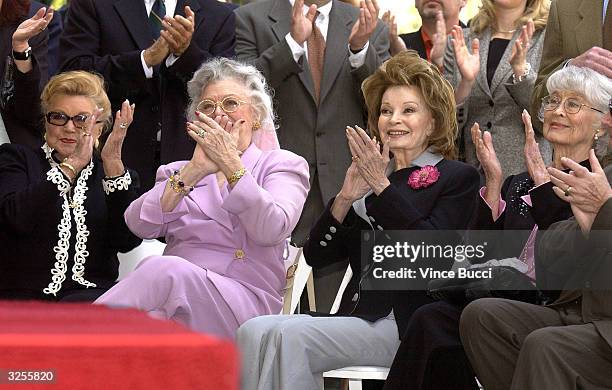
<point x="567" y="192"/>
<point x="201" y="133"/>
<point x="123" y="125"/>
<point x="86" y="134"/>
<point x="355" y="158"/>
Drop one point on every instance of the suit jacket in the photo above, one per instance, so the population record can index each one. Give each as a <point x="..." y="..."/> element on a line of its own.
<point x="573" y="27"/>
<point x="445" y="205"/>
<point x="30" y="211"/>
<point x="497" y="108"/>
<point x="316" y="133"/>
<point x="107" y="36"/>
<point x="584" y="264"/>
<point x="22" y="114"/>
<point x="210" y="225"/>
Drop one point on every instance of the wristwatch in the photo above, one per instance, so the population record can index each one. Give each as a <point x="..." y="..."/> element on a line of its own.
<point x="24" y="55"/>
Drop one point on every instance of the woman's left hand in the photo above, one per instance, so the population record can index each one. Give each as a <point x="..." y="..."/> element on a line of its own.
<point x="111" y="152"/>
<point x="29" y="28"/>
<point x="533" y="158"/>
<point x="371" y="163"/>
<point x="219" y="139"/>
<point x="518" y="58"/>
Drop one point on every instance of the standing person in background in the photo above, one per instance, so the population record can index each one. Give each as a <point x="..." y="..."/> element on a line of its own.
<point x="493" y="71"/>
<point x="315" y="57"/>
<point x="573" y="36"/>
<point x="148" y="61"/>
<point x="438" y="18"/>
<point x="23" y="67"/>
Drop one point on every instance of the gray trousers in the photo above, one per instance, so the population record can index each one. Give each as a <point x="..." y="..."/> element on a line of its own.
<point x="519" y="346"/>
<point x="292" y="351"/>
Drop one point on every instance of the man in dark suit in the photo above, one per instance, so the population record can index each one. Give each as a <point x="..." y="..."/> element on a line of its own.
<point x="568" y="344"/>
<point x="121" y="39"/>
<point x="438" y="18"/>
<point x="315" y="57"/>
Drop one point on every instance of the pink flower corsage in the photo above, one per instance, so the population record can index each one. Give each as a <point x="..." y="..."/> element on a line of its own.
<point x="424" y="177"/>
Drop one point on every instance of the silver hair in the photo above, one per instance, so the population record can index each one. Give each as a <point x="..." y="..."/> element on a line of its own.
<point x="595" y="87"/>
<point x="220" y="68"/>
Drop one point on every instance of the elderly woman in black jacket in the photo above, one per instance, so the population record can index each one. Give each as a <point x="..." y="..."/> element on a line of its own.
<point x="61" y="205"/>
<point x="412" y="112"/>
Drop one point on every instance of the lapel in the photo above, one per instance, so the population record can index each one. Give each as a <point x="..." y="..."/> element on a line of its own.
<point x="280" y="15"/>
<point x="484" y="39"/>
<point x="340" y="25"/>
<point x="504" y="69"/>
<point x="588" y="35"/>
<point x="134" y="16"/>
<point x="209" y="197"/>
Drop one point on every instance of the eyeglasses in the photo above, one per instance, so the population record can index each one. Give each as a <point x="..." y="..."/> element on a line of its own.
<point x="60" y="119"/>
<point x="570" y="105"/>
<point x="229" y="104"/>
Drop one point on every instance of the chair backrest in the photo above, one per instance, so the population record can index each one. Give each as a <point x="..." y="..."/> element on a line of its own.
<point x="299" y="275"/>
<point x="128" y="261"/>
<point x="347" y="277"/>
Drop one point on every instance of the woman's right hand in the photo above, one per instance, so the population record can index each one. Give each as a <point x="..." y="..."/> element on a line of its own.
<point x="354" y="186"/>
<point x="29" y="28"/>
<point x="485" y="152"/>
<point x="83" y="151"/>
<point x="468" y="63"/>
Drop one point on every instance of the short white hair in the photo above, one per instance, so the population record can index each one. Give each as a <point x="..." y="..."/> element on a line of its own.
<point x="595" y="87"/>
<point x="218" y="69"/>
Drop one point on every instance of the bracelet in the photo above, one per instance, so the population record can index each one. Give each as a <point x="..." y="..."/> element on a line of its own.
<point x="178" y="185"/>
<point x="65" y="164"/>
<point x="517" y="79"/>
<point x="236" y="176"/>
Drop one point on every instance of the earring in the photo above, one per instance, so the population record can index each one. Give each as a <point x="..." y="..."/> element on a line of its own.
<point x="45" y="136"/>
<point x="256" y="125"/>
<point x="97" y="143"/>
<point x="596" y="135"/>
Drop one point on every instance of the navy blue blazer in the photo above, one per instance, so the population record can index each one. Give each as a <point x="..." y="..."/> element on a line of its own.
<point x="107" y="36"/>
<point x="445" y="205"/>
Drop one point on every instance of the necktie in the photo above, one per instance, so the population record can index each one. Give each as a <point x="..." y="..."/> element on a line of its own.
<point x="607" y="28"/>
<point x="316" y="52"/>
<point x="155" y="26"/>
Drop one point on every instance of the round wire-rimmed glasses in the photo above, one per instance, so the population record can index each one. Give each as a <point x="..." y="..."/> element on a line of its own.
<point x="228" y="105"/>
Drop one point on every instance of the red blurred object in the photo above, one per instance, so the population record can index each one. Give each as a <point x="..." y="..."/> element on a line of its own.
<point x="94" y="347"/>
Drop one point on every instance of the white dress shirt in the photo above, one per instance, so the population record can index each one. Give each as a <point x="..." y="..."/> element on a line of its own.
<point x="322" y="22"/>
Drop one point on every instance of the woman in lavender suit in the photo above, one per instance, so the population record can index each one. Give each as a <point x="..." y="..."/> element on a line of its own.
<point x="225" y="214"/>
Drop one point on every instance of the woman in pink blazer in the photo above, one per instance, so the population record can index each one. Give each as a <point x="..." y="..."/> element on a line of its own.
<point x="225" y="214"/>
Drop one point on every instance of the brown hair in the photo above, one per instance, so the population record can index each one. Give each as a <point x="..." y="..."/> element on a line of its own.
<point x="407" y="68"/>
<point x="534" y="9"/>
<point x="79" y="83"/>
<point x="12" y="11"/>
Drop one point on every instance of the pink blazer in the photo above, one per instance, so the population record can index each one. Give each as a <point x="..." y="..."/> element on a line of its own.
<point x="236" y="234"/>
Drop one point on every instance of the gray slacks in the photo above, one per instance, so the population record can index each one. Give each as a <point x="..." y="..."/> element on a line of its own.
<point x="290" y="352"/>
<point x="519" y="346"/>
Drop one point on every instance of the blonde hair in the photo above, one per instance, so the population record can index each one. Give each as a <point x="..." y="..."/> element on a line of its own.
<point x="79" y="83"/>
<point x="534" y="9"/>
<point x="407" y="68"/>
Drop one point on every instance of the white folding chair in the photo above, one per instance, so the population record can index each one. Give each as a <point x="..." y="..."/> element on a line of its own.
<point x="299" y="275"/>
<point x="128" y="261"/>
<point x="352" y="376"/>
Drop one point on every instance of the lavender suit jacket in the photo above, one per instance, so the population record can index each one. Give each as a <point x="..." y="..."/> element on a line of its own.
<point x="210" y="225"/>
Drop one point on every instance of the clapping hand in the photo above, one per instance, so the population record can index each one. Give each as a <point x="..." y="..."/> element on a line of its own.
<point x="467" y="62"/>
<point x="111" y="152"/>
<point x="178" y="31"/>
<point x="396" y="44"/>
<point x="485" y="152"/>
<point x="371" y="163"/>
<point x="365" y="25"/>
<point x="439" y="41"/>
<point x="518" y="58"/>
<point x="29" y="28"/>
<point x="585" y="191"/>
<point x="533" y="157"/>
<point x="301" y="25"/>
<point x="85" y="144"/>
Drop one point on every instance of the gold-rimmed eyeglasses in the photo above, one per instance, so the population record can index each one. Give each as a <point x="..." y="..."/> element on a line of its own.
<point x="570" y="105"/>
<point x="228" y="105"/>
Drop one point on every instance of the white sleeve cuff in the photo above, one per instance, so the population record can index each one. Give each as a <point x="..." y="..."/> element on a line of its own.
<point x="119" y="183"/>
<point x="170" y="60"/>
<point x="357" y="60"/>
<point x="147" y="71"/>
<point x="297" y="50"/>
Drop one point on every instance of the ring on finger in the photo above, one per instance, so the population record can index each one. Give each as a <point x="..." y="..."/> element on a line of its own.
<point x="355" y="158"/>
<point x="568" y="191"/>
<point x="86" y="134"/>
<point x="123" y="125"/>
<point x="201" y="133"/>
